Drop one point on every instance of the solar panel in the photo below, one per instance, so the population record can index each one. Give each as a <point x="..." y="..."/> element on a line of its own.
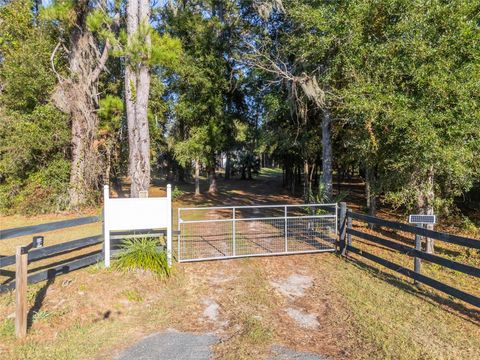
<point x="422" y="219"/>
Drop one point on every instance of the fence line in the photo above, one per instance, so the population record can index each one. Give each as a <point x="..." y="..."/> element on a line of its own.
<point x="56" y="225"/>
<point x="86" y="260"/>
<point x="450" y="238"/>
<point x="345" y="243"/>
<point x="42" y="253"/>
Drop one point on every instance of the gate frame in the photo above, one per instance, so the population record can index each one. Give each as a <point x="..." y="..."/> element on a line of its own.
<point x="233" y="219"/>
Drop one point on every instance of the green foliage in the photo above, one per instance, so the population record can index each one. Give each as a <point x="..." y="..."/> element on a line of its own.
<point x="403" y="88"/>
<point x="45" y="190"/>
<point x="97" y="20"/>
<point x="25" y="50"/>
<point x="34" y="136"/>
<point x="36" y="174"/>
<point x="60" y="11"/>
<point x="143" y="254"/>
<point x="111" y="112"/>
<point x="165" y="51"/>
<point x="176" y="193"/>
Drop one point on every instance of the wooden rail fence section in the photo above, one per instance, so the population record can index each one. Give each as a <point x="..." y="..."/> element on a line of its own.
<point x="56" y="225"/>
<point x="345" y="245"/>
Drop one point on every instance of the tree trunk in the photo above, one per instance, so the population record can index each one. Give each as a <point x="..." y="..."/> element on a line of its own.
<point x="307" y="191"/>
<point x="371" y="197"/>
<point x="197" y="177"/>
<point x="243" y="173"/>
<point x="367" y="189"/>
<point x="425" y="200"/>
<point x="137" y="88"/>
<point x="327" y="154"/>
<point x="213" y="180"/>
<point x="228" y="166"/>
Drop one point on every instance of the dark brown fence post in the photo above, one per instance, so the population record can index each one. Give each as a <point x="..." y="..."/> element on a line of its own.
<point x="417" y="261"/>
<point x="21" y="262"/>
<point x="349" y="226"/>
<point x="342" y="234"/>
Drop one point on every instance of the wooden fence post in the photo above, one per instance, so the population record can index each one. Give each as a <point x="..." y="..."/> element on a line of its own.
<point x="349" y="226"/>
<point x="417" y="264"/>
<point x="21" y="262"/>
<point x="342" y="233"/>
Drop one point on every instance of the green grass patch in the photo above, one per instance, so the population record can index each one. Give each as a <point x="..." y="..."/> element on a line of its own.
<point x="132" y="295"/>
<point x="255" y="331"/>
<point x="7" y="328"/>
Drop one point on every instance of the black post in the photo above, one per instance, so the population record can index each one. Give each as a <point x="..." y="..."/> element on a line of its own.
<point x="341" y="225"/>
<point x="417" y="261"/>
<point x="349" y="226"/>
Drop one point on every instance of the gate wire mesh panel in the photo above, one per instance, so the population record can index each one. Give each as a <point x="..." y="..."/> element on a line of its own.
<point x="310" y="234"/>
<point x="225" y="232"/>
<point x="206" y="240"/>
<point x="261" y="236"/>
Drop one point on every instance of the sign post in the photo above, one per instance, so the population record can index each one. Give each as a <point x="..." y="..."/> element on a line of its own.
<point x="420" y="221"/>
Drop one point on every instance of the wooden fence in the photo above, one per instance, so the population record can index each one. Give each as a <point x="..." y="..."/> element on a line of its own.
<point x="33" y="255"/>
<point x="79" y="262"/>
<point x="416" y="253"/>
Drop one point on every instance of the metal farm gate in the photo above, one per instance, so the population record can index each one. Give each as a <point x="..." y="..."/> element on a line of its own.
<point x="208" y="233"/>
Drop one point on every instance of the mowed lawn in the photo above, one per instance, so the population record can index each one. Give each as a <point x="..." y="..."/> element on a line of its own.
<point x="360" y="311"/>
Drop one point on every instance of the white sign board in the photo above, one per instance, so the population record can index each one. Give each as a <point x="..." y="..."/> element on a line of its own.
<point x="136" y="214"/>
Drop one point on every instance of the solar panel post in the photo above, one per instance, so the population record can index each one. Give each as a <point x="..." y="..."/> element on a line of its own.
<point x="418" y="246"/>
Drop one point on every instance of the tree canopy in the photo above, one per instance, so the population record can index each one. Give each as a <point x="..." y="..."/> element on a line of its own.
<point x="387" y="89"/>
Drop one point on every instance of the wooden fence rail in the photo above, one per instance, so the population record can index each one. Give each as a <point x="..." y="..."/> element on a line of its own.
<point x="345" y="243"/>
<point x="57" y="225"/>
<point x="450" y="238"/>
<point x="83" y="261"/>
<point x="42" y="253"/>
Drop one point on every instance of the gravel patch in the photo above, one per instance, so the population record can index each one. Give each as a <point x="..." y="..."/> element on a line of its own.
<point x="211" y="311"/>
<point x="172" y="345"/>
<point x="303" y="319"/>
<point x="294" y="286"/>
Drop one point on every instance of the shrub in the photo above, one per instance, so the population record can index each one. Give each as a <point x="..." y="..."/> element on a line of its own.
<point x="143" y="253"/>
<point x="176" y="193"/>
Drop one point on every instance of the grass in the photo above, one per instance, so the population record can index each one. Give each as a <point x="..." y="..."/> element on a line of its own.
<point x="7" y="328"/>
<point x="41" y="315"/>
<point x="256" y="332"/>
<point x="132" y="295"/>
<point x="401" y="323"/>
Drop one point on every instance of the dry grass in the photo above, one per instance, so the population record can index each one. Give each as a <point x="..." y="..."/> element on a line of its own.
<point x="401" y="322"/>
<point x="362" y="314"/>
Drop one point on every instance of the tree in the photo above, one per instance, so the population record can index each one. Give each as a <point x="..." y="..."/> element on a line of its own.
<point x="205" y="93"/>
<point x="76" y="92"/>
<point x="34" y="136"/>
<point x="137" y="87"/>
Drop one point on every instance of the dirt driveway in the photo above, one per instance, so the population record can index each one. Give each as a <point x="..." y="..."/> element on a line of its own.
<point x="258" y="308"/>
<point x="255" y="308"/>
<point x="254" y="304"/>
